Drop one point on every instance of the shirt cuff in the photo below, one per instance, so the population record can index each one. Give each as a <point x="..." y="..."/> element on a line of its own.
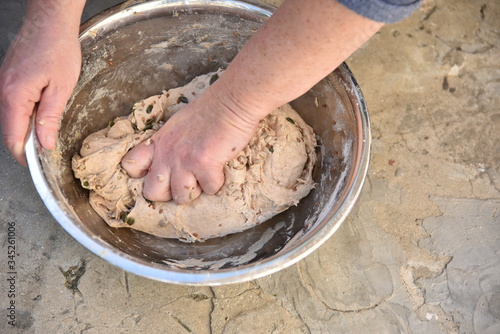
<point x="382" y="10"/>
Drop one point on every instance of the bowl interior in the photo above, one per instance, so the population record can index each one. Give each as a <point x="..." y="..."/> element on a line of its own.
<point x="133" y="53"/>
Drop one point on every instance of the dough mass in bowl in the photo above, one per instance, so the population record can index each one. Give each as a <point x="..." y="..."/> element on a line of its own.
<point x="272" y="173"/>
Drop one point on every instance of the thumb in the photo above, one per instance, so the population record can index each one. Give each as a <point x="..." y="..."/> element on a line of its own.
<point x="52" y="104"/>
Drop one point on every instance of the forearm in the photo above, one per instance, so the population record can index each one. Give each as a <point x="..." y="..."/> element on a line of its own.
<point x="56" y="12"/>
<point x="298" y="46"/>
<point x="51" y="17"/>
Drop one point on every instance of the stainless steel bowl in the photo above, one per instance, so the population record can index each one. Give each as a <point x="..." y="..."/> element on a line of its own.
<point x="130" y="53"/>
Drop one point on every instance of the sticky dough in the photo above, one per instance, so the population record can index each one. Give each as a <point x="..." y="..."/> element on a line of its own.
<point x="272" y="173"/>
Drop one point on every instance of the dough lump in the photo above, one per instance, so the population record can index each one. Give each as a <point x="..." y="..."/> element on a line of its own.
<point x="272" y="173"/>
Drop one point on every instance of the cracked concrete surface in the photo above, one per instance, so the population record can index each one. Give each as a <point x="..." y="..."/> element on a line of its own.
<point x="418" y="254"/>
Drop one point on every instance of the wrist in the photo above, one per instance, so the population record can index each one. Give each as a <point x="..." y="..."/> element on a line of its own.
<point x="233" y="101"/>
<point x="54" y="17"/>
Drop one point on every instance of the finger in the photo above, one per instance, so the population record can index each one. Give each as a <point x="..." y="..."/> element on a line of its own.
<point x="16" y="111"/>
<point x="157" y="185"/>
<point x="184" y="187"/>
<point x="211" y="180"/>
<point x="52" y="104"/>
<point x="14" y="135"/>
<point x="138" y="160"/>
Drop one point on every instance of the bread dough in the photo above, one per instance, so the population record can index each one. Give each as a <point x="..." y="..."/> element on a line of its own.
<point x="272" y="173"/>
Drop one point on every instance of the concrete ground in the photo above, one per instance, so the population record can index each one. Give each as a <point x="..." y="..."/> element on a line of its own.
<point x="420" y="253"/>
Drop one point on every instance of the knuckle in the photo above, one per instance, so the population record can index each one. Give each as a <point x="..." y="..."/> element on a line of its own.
<point x="9" y="91"/>
<point x="13" y="83"/>
<point x="48" y="120"/>
<point x="201" y="159"/>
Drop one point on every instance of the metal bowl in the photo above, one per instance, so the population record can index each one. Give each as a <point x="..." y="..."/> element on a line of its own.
<point x="133" y="52"/>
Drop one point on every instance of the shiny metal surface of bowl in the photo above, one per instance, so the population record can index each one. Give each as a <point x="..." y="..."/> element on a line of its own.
<point x="130" y="53"/>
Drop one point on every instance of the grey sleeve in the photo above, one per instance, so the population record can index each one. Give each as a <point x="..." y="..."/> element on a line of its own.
<point x="387" y="11"/>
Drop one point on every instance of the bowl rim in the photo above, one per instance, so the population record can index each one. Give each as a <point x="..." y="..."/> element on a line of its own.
<point x="246" y="272"/>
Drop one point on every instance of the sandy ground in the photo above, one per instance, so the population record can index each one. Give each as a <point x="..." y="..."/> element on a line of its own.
<point x="420" y="253"/>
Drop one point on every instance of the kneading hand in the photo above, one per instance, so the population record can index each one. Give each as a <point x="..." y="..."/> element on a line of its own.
<point x="186" y="156"/>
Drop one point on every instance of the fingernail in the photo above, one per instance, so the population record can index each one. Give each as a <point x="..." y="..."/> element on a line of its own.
<point x="50" y="141"/>
<point x="18" y="150"/>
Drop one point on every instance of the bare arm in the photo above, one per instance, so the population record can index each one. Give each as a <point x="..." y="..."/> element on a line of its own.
<point x="298" y="46"/>
<point x="41" y="66"/>
<point x="302" y="43"/>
